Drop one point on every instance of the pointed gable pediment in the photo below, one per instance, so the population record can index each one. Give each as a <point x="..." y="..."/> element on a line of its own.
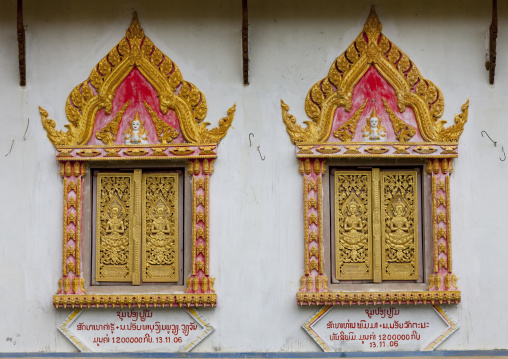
<point x="373" y="74"/>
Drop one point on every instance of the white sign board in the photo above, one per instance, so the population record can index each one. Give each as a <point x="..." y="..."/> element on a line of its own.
<point x="379" y="328"/>
<point x="135" y="330"/>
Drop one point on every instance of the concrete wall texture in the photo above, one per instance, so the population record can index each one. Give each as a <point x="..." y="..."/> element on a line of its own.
<point x="256" y="206"/>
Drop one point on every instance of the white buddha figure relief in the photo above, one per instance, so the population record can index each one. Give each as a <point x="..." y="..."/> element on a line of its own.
<point x="136" y="133"/>
<point x="374" y="131"/>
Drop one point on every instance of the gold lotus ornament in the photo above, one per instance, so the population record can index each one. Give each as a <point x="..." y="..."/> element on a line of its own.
<point x="135" y="152"/>
<point x="328" y="149"/>
<point x="181" y="151"/>
<point x="89" y="153"/>
<point x="424" y="150"/>
<point x="376" y="150"/>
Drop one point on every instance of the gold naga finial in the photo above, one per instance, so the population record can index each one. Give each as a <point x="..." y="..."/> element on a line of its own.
<point x="373" y="26"/>
<point x="135" y="31"/>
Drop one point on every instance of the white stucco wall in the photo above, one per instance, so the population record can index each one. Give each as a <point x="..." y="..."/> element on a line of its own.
<point x="256" y="231"/>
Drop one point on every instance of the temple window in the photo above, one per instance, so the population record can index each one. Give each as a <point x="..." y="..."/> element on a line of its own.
<point x="376" y="231"/>
<point x="138" y="233"/>
<point x="136" y="157"/>
<point x="377" y="227"/>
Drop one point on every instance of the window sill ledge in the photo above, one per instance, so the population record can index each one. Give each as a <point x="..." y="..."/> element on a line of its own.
<point x="139" y="300"/>
<point x="379" y="298"/>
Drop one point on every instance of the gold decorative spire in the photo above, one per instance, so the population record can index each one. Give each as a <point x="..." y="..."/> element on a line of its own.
<point x="373" y="26"/>
<point x="135" y="31"/>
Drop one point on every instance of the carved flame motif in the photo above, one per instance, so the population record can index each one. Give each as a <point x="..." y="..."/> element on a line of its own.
<point x="160" y="220"/>
<point x="165" y="132"/>
<point x="346" y="132"/>
<point x="108" y="134"/>
<point x="97" y="92"/>
<point x="114" y="240"/>
<point x="372" y="48"/>
<point x="352" y="225"/>
<point x="399" y="218"/>
<point x="403" y="131"/>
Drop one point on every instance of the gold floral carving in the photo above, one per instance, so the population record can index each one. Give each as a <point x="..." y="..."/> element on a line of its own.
<point x="195" y="187"/>
<point x="452" y="134"/>
<point x="305" y="150"/>
<point x="448" y="226"/>
<point x="108" y="134"/>
<point x="160" y="228"/>
<point x="424" y="150"/>
<point x="65" y="233"/>
<point x="307" y="170"/>
<point x="449" y="150"/>
<point x="372" y="48"/>
<point x="136" y="300"/>
<point x="442" y="248"/>
<point x="88" y="152"/>
<point x="346" y="132"/>
<point x="181" y="151"/>
<point x="78" y="226"/>
<point x="165" y="132"/>
<point x="207" y="225"/>
<point x="159" y="151"/>
<point x="352" y="150"/>
<point x="403" y="131"/>
<point x="441" y="217"/>
<point x="376" y="149"/>
<point x="376" y="298"/>
<point x="399" y="219"/>
<point x="112" y="152"/>
<point x="134" y="152"/>
<point x="297" y="133"/>
<point x="376" y="221"/>
<point x="353" y="235"/>
<point x="401" y="149"/>
<point x="328" y="149"/>
<point x="63" y="152"/>
<point x="319" y="195"/>
<point x="306" y="224"/>
<point x="444" y="166"/>
<point x="98" y="91"/>
<point x="434" y="224"/>
<point x="114" y="243"/>
<point x="207" y="150"/>
<point x="436" y="166"/>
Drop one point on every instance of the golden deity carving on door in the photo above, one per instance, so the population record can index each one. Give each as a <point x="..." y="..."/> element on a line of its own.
<point x="376" y="225"/>
<point x="160" y="257"/>
<point x="114" y="240"/>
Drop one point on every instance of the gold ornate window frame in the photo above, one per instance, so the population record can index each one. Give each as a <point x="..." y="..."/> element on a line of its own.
<point x="196" y="155"/>
<point x="318" y="146"/>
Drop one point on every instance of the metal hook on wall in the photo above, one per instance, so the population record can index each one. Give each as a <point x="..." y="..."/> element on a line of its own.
<point x="495" y="143"/>
<point x="260" y="155"/>
<point x="250" y="142"/>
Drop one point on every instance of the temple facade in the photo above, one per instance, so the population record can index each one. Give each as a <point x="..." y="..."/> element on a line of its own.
<point x="154" y="159"/>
